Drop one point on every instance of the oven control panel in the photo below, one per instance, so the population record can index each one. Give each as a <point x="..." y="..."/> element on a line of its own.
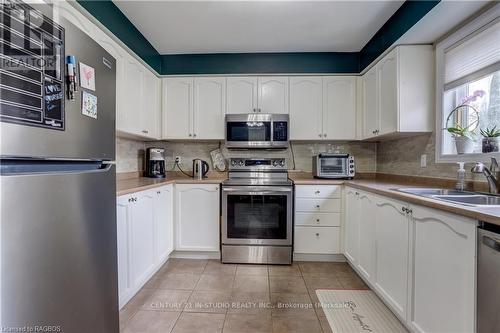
<point x="255" y="164"/>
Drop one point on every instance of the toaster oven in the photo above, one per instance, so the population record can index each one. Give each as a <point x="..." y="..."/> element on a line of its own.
<point x="333" y="166"/>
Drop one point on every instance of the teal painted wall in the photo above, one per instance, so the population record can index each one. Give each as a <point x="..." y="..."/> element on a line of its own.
<point x="404" y="18"/>
<point x="400" y="22"/>
<point x="254" y="63"/>
<point x="106" y="12"/>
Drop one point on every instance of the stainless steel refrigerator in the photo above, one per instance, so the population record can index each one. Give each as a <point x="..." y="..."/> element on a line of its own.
<point x="58" y="219"/>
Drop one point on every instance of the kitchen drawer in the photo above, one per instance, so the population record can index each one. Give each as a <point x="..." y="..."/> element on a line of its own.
<point x="318" y="240"/>
<point x="318" y="191"/>
<point x="317" y="205"/>
<point x="317" y="219"/>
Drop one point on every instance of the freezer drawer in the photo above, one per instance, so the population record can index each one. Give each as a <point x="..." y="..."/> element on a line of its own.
<point x="58" y="251"/>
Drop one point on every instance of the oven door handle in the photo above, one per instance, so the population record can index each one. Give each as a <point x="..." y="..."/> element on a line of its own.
<point x="257" y="190"/>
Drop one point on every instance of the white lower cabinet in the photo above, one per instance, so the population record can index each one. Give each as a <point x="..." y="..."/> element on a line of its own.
<point x="197" y="217"/>
<point x="144" y="237"/>
<point x="444" y="249"/>
<point x="317" y="240"/>
<point x="317" y="219"/>
<point x="164" y="217"/>
<point x="351" y="225"/>
<point x="391" y="253"/>
<point x="420" y="261"/>
<point x="366" y="222"/>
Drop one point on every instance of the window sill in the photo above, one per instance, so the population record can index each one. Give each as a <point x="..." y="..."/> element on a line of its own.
<point x="468" y="158"/>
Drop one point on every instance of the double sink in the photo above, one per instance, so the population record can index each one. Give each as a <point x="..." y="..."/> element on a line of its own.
<point x="473" y="199"/>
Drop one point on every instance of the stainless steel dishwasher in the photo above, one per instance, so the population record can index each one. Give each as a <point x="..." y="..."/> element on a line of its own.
<point x="488" y="279"/>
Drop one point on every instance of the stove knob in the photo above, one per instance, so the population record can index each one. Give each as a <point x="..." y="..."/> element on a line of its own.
<point x="282" y="163"/>
<point x="233" y="163"/>
<point x="275" y="163"/>
<point x="240" y="163"/>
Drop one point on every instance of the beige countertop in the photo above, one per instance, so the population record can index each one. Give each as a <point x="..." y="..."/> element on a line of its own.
<point x="386" y="187"/>
<point x="126" y="185"/>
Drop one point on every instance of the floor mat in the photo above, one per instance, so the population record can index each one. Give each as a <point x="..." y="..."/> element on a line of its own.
<point x="352" y="311"/>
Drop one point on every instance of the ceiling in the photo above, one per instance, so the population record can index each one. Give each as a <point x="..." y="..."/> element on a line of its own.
<point x="180" y="27"/>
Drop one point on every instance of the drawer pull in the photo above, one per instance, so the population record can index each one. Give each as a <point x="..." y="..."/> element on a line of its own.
<point x="317" y="206"/>
<point x="317" y="220"/>
<point x="317" y="192"/>
<point x="317" y="234"/>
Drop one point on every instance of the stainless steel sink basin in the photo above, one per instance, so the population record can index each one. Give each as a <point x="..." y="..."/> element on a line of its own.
<point x="476" y="200"/>
<point x="433" y="191"/>
<point x="454" y="196"/>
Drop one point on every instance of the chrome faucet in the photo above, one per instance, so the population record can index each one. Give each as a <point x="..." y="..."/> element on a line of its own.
<point x="492" y="174"/>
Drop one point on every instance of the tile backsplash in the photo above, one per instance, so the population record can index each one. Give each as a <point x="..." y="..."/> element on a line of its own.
<point x="402" y="157"/>
<point x="130" y="153"/>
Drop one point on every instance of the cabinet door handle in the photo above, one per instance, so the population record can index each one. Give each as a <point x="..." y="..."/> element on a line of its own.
<point x="216" y="188"/>
<point x="194" y="135"/>
<point x="317" y="192"/>
<point x="324" y="135"/>
<point x="254" y="110"/>
<point x="260" y="110"/>
<point x="190" y="135"/>
<point x="317" y="206"/>
<point x="317" y="234"/>
<point x="145" y="131"/>
<point x="320" y="135"/>
<point x="317" y="220"/>
<point x="158" y="192"/>
<point x="403" y="209"/>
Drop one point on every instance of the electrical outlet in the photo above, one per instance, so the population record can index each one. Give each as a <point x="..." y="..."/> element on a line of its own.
<point x="177" y="159"/>
<point x="423" y="160"/>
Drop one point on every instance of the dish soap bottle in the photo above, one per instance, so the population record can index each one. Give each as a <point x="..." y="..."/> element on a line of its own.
<point x="460" y="177"/>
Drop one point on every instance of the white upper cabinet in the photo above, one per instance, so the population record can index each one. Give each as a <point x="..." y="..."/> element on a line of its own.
<point x="267" y="94"/>
<point x="391" y="253"/>
<point x="370" y="103"/>
<point x="273" y="94"/>
<point x="444" y="249"/>
<point x="339" y="108"/>
<point x="241" y="94"/>
<point x="306" y="108"/>
<point x="177" y="108"/>
<point x="398" y="93"/>
<point x="150" y="115"/>
<point x="194" y="108"/>
<point x="132" y="98"/>
<point x="327" y="105"/>
<point x="209" y="107"/>
<point x="388" y="98"/>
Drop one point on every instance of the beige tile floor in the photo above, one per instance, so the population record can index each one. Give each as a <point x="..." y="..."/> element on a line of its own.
<point x="206" y="296"/>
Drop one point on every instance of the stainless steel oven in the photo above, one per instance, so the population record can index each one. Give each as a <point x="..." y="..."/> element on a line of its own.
<point x="268" y="131"/>
<point x="257" y="212"/>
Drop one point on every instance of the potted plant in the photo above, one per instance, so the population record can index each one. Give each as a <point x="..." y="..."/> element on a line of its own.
<point x="491" y="139"/>
<point x="463" y="139"/>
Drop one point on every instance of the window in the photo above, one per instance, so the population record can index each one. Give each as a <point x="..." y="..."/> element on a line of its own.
<point x="468" y="90"/>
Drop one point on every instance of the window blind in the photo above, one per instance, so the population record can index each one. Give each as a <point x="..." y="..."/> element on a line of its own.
<point x="474" y="56"/>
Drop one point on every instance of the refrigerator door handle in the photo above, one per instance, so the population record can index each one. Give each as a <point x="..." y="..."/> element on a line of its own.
<point x="26" y="167"/>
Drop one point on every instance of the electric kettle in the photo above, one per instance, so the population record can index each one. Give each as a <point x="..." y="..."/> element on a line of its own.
<point x="200" y="168"/>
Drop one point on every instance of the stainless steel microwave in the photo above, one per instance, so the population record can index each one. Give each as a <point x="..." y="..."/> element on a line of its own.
<point x="267" y="131"/>
<point x="333" y="166"/>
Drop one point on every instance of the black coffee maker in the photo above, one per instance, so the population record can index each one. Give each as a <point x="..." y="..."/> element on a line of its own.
<point x="155" y="163"/>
